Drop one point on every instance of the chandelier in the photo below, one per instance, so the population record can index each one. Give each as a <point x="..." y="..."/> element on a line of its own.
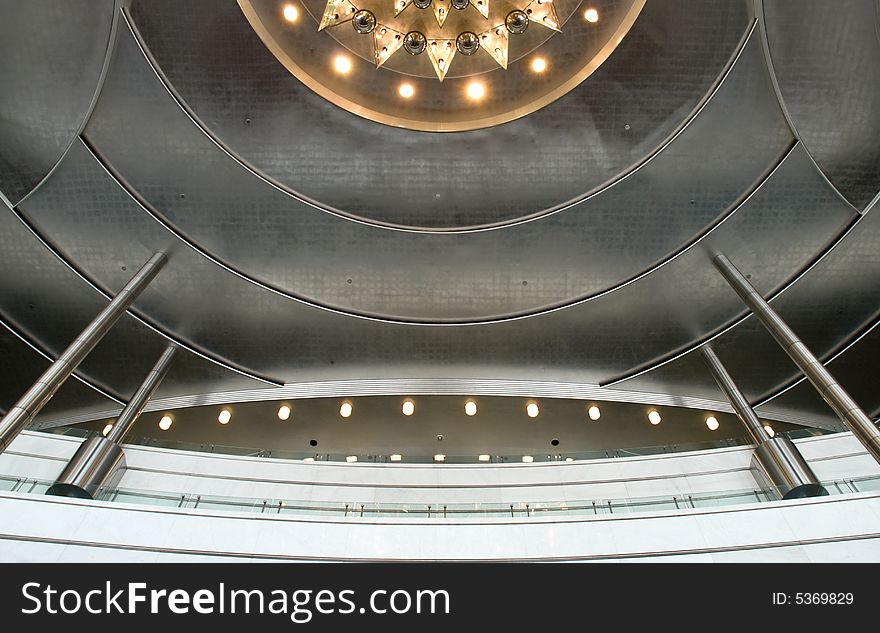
<point x="488" y="33"/>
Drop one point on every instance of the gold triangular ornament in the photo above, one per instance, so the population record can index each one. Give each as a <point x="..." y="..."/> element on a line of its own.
<point x="441" y="53"/>
<point x="544" y="13"/>
<point x="494" y="41"/>
<point x="400" y="5"/>
<point x="337" y="12"/>
<point x="386" y="42"/>
<point x="441" y="10"/>
<point x="482" y="6"/>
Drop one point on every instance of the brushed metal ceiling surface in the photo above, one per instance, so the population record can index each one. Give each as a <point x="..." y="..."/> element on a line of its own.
<point x="331" y="261"/>
<point x="49" y="50"/>
<point x="648" y="86"/>
<point x="94" y="221"/>
<point x="826" y="56"/>
<point x="47" y="302"/>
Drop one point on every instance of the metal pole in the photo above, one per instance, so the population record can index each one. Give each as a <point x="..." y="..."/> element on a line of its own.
<point x="776" y="462"/>
<point x="46" y="385"/>
<point x="831" y="391"/>
<point x="99" y="461"/>
<point x="140" y="398"/>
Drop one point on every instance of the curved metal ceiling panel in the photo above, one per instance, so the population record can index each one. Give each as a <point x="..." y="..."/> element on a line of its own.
<point x="53" y="54"/>
<point x="826" y="58"/>
<point x="49" y="304"/>
<point x="836" y="298"/>
<point x="627" y="108"/>
<point x="263" y="232"/>
<point x="776" y="231"/>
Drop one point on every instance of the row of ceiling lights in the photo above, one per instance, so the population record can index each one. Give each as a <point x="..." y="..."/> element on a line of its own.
<point x="475" y="90"/>
<point x="408" y="408"/>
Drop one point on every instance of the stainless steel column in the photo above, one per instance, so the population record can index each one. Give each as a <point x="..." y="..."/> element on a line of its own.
<point x="776" y="462"/>
<point x="99" y="461"/>
<point x="831" y="391"/>
<point x="46" y="385"/>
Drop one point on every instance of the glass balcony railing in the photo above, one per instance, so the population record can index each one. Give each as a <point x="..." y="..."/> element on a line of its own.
<point x="520" y="510"/>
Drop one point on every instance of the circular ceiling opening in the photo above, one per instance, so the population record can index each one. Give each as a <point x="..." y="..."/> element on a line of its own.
<point x="441" y="65"/>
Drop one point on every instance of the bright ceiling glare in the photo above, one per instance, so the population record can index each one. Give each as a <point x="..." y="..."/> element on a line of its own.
<point x="527" y="459"/>
<point x="225" y="416"/>
<point x="594" y="412"/>
<point x="439" y="457"/>
<point x="291" y="13"/>
<point x="712" y="423"/>
<point x="591" y="15"/>
<point x="409" y="407"/>
<point x="539" y="65"/>
<point x="532" y="409"/>
<point x="166" y="422"/>
<point x="470" y="407"/>
<point x="654" y="417"/>
<point x="106" y="429"/>
<point x="342" y="64"/>
<point x="396" y="457"/>
<point x="351" y="459"/>
<point x="484" y="458"/>
<point x="569" y="459"/>
<point x="406" y="91"/>
<point x="345" y="409"/>
<point x="283" y="412"/>
<point x="476" y="90"/>
<point x="308" y="459"/>
<point x="769" y="430"/>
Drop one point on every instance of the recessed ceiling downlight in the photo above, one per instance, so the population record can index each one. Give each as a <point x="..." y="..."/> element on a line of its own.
<point x="470" y="407"/>
<point x="409" y="407"/>
<point x="345" y="409"/>
<point x="225" y="416"/>
<point x="712" y="423"/>
<point x="291" y="13"/>
<point x="594" y="412"/>
<point x="284" y="412"/>
<point x="532" y="409"/>
<point x="654" y="417"/>
<point x="166" y="422"/>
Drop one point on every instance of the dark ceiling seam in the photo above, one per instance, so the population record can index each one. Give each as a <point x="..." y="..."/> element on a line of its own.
<point x="777" y="91"/>
<point x="194" y="118"/>
<point x="99" y="88"/>
<point x="107" y="393"/>
<point x="192" y="348"/>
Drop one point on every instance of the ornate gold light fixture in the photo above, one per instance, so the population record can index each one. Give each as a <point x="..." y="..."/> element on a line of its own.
<point x="490" y="33"/>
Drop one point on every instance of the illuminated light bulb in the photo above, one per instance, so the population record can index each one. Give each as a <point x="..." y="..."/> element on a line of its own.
<point x="769" y="430"/>
<point x="166" y="422"/>
<point x="532" y="409"/>
<point x="291" y="13"/>
<point x="476" y="90"/>
<point x="409" y="407"/>
<point x="406" y="91"/>
<point x="439" y="457"/>
<point x="345" y="409"/>
<point x="283" y="412"/>
<point x="107" y="428"/>
<point x="654" y="417"/>
<point x="225" y="416"/>
<point x="470" y="407"/>
<point x="594" y="412"/>
<point x="396" y="457"/>
<point x="484" y="458"/>
<point x="539" y="65"/>
<point x="342" y="64"/>
<point x="591" y="15"/>
<point x="351" y="459"/>
<point x="712" y="423"/>
<point x="528" y="459"/>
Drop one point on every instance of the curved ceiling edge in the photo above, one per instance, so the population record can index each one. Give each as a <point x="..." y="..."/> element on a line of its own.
<point x="105" y="68"/>
<point x="426" y="387"/>
<point x="774" y="81"/>
<point x="776" y="292"/>
<point x="288" y="191"/>
<point x="142" y="319"/>
<point x="76" y="374"/>
<point x="687" y="246"/>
